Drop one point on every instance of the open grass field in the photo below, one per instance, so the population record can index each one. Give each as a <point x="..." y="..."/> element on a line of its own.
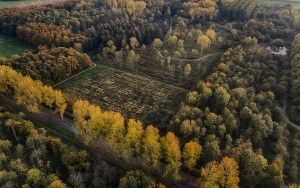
<point x="295" y="3"/>
<point x="11" y="45"/>
<point x="4" y="3"/>
<point x="132" y="95"/>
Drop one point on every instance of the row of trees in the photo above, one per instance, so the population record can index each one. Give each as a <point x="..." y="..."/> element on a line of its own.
<point x="45" y="34"/>
<point x="181" y="42"/>
<point x="29" y="157"/>
<point x="222" y="174"/>
<point x="49" y="65"/>
<point x="94" y="124"/>
<point x="131" y="139"/>
<point x="201" y="9"/>
<point x="79" y="169"/>
<point x="131" y="7"/>
<point x="30" y="93"/>
<point x="295" y="62"/>
<point x="123" y="56"/>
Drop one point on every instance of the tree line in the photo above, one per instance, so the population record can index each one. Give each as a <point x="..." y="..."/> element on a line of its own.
<point x="92" y="124"/>
<point x="131" y="139"/>
<point x="295" y="73"/>
<point x="50" y="65"/>
<point x="30" y="93"/>
<point x="49" y="35"/>
<point x="74" y="167"/>
<point x="12" y="17"/>
<point x="29" y="157"/>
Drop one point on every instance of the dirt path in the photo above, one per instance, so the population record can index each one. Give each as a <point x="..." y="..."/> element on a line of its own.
<point x="287" y="120"/>
<point x="69" y="78"/>
<point x="183" y="59"/>
<point x="285" y="116"/>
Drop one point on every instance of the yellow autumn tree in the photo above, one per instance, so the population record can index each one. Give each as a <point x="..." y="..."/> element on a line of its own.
<point x="172" y="40"/>
<point x="134" y="136"/>
<point x="48" y="96"/>
<point x="157" y="43"/>
<point x="134" y="43"/>
<point x="115" y="124"/>
<point x="151" y="146"/>
<point x="224" y="174"/>
<point x="8" y="78"/>
<point x="134" y="6"/>
<point x="187" y="70"/>
<point x="59" y="102"/>
<point x="201" y="8"/>
<point x="204" y="42"/>
<point x="211" y="34"/>
<point x="57" y="184"/>
<point x="30" y="93"/>
<point x="54" y="99"/>
<point x="94" y="124"/>
<point x="139" y="6"/>
<point x="210" y="175"/>
<point x="172" y="155"/>
<point x="191" y="154"/>
<point x="229" y="173"/>
<point x="87" y="121"/>
<point x="130" y="6"/>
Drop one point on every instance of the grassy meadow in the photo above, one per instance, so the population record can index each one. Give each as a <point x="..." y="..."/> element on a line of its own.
<point x="5" y="3"/>
<point x="11" y="45"/>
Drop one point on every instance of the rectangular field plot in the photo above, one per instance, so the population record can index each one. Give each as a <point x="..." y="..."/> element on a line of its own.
<point x="132" y="95"/>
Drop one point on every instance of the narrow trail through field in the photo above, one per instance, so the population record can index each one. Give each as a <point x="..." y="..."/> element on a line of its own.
<point x="288" y="121"/>
<point x="295" y="126"/>
<point x="75" y="75"/>
<point x="190" y="60"/>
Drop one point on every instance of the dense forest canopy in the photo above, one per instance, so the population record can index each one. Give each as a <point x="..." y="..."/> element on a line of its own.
<point x="49" y="65"/>
<point x="235" y="125"/>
